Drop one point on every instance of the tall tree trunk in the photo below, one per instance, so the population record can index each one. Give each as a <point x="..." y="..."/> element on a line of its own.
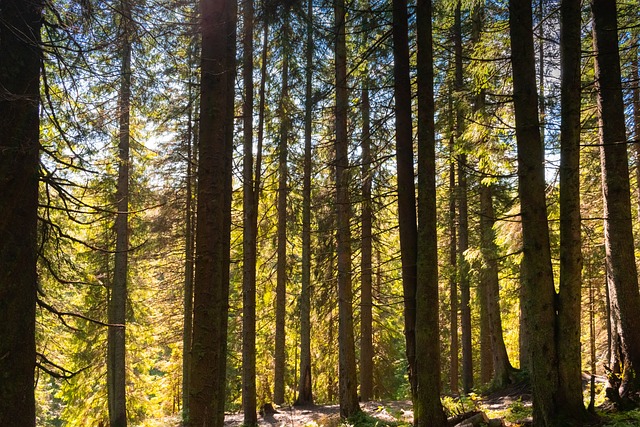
<point x="406" y="179"/>
<point x="20" y="57"/>
<point x="569" y="398"/>
<point x="428" y="410"/>
<point x="347" y="352"/>
<point x="281" y="268"/>
<point x="537" y="286"/>
<point x="635" y="78"/>
<point x="249" y="231"/>
<point x="620" y="260"/>
<point x="116" y="365"/>
<point x="489" y="282"/>
<point x="305" y="392"/>
<point x="366" y="316"/>
<point x="542" y="108"/>
<point x="463" y="214"/>
<point x="211" y="284"/>
<point x="453" y="262"/>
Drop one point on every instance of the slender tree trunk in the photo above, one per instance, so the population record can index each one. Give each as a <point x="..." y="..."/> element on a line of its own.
<point x="20" y="57"/>
<point x="211" y="283"/>
<point x="249" y="231"/>
<point x="542" y="108"/>
<point x="502" y="368"/>
<point x="635" y="78"/>
<point x="538" y="287"/>
<point x="620" y="260"/>
<point x="406" y="179"/>
<point x="281" y="269"/>
<point x="428" y="410"/>
<point x="116" y="356"/>
<point x="453" y="260"/>
<point x="305" y="392"/>
<point x="463" y="215"/>
<point x="347" y="353"/>
<point x="569" y="397"/>
<point x="366" y="316"/>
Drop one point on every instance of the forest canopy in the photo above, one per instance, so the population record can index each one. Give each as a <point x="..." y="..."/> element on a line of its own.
<point x="217" y="206"/>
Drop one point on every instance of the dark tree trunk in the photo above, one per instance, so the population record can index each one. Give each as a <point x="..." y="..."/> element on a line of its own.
<point x="620" y="260"/>
<point x="635" y="77"/>
<point x="366" y="310"/>
<point x="569" y="397"/>
<point x="537" y="285"/>
<point x="305" y="392"/>
<point x="453" y="281"/>
<point x="116" y="366"/>
<point x="20" y="58"/>
<point x="406" y="179"/>
<point x="249" y="237"/>
<point x="347" y="353"/>
<point x="281" y="269"/>
<point x="211" y="284"/>
<point x="428" y="410"/>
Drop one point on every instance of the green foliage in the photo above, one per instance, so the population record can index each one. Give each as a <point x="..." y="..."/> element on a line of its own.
<point x="621" y="419"/>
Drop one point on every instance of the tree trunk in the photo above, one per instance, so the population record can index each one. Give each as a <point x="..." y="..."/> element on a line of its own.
<point x="281" y="269"/>
<point x="249" y="231"/>
<point x="20" y="58"/>
<point x="453" y="282"/>
<point x="305" y="392"/>
<point x="569" y="398"/>
<point x="537" y="286"/>
<point x="635" y="78"/>
<point x="428" y="410"/>
<point x="211" y="284"/>
<point x="116" y="364"/>
<point x="366" y="310"/>
<point x="490" y="284"/>
<point x="347" y="353"/>
<point x="620" y="260"/>
<point x="463" y="215"/>
<point x="405" y="179"/>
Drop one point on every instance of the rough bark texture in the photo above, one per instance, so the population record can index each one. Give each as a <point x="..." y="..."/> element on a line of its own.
<point x="501" y="367"/>
<point x="569" y="397"/>
<point x="537" y="285"/>
<point x="453" y="281"/>
<point x="620" y="260"/>
<point x="305" y="392"/>
<point x="346" y="353"/>
<point x="20" y="22"/>
<point x="366" y="306"/>
<point x="428" y="410"/>
<point x="116" y="354"/>
<point x="280" y="353"/>
<point x="406" y="179"/>
<point x="211" y="284"/>
<point x="249" y="231"/>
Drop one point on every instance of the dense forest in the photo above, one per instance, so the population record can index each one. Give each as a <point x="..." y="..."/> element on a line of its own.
<point x="215" y="206"/>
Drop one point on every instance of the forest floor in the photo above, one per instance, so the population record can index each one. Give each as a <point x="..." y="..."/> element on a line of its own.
<point x="512" y="405"/>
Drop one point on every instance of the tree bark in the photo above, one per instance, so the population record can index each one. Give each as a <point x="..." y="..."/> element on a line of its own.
<point x="537" y="286"/>
<point x="305" y="392"/>
<point x="569" y="398"/>
<point x="620" y="260"/>
<point x="347" y="354"/>
<point x="20" y="56"/>
<point x="406" y="179"/>
<point x="453" y="281"/>
<point x="428" y="410"/>
<point x="249" y="231"/>
<point x="116" y="356"/>
<point x="211" y="283"/>
<point x="281" y="269"/>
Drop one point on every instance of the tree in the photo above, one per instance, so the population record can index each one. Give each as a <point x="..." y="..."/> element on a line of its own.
<point x="20" y="58"/>
<point x="211" y="283"/>
<point x="537" y="286"/>
<point x="622" y="280"/>
<point x="428" y="410"/>
<point x="305" y="392"/>
<point x="249" y="229"/>
<point x="116" y="354"/>
<point x="347" y="354"/>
